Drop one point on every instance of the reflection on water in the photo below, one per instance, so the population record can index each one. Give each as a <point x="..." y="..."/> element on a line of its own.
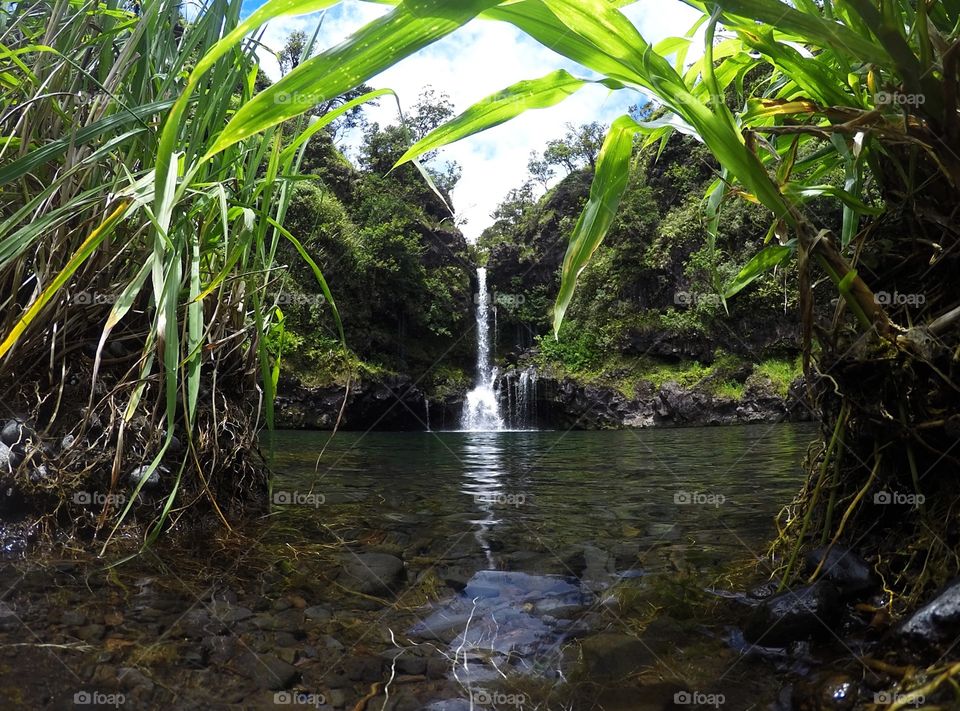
<point x="710" y="490"/>
<point x="482" y="457"/>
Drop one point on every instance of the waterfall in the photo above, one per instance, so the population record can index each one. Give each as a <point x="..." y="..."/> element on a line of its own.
<point x="481" y="410"/>
<point x="522" y="399"/>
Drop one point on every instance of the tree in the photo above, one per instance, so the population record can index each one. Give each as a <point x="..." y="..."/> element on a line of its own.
<point x="293" y="52"/>
<point x="540" y="170"/>
<point x="578" y="148"/>
<point x="383" y="146"/>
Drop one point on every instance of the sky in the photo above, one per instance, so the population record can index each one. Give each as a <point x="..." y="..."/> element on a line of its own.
<point x="468" y="65"/>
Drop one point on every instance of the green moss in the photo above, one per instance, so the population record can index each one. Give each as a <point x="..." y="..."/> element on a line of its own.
<point x="780" y="372"/>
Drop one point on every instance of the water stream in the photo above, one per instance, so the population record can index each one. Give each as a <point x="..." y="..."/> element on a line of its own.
<point x="481" y="411"/>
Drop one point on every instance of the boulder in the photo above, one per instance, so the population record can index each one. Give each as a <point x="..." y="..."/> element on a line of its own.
<point x="936" y="622"/>
<point x="850" y="573"/>
<point x="804" y="613"/>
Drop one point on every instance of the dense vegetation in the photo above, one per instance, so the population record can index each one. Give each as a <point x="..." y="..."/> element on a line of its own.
<point x="646" y="308"/>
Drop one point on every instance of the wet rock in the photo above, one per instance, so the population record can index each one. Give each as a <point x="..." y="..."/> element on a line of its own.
<point x="830" y="691"/>
<point x="795" y="615"/>
<point x="16" y="431"/>
<point x="91" y="633"/>
<point x="317" y="613"/>
<point x="141" y="472"/>
<point x="336" y="697"/>
<point x="437" y="667"/>
<point x="73" y="618"/>
<point x="290" y="621"/>
<point x="614" y="656"/>
<point x="850" y="573"/>
<point x="131" y="678"/>
<point x="764" y="591"/>
<point x="9" y="459"/>
<point x="364" y="668"/>
<point x="937" y="621"/>
<point x="228" y="613"/>
<point x="270" y="672"/>
<point x="372" y="573"/>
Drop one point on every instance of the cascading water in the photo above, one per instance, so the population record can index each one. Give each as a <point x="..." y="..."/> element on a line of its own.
<point x="481" y="410"/>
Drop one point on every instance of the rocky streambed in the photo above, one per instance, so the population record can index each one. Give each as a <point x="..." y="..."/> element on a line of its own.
<point x="479" y="571"/>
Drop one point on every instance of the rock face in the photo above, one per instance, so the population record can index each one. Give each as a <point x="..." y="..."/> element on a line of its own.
<point x="850" y="573"/>
<point x="393" y="403"/>
<point x="614" y="656"/>
<point x="795" y="615"/>
<point x="566" y="403"/>
<point x="936" y="622"/>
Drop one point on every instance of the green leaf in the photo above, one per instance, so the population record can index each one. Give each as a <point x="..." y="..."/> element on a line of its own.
<point x="609" y="182"/>
<point x="762" y="262"/>
<point x="408" y="28"/>
<point x="500" y="107"/>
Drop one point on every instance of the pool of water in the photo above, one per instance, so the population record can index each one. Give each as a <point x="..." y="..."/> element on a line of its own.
<point x="444" y="571"/>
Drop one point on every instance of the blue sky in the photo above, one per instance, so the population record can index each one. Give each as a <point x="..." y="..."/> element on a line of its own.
<point x="472" y="63"/>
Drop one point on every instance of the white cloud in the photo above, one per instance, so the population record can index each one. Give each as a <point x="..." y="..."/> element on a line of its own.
<point x="472" y="63"/>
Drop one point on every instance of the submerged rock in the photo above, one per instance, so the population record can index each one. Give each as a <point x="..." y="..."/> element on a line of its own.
<point x="373" y="573"/>
<point x="937" y="621"/>
<point x="799" y="614"/>
<point x="850" y="573"/>
<point x="614" y="656"/>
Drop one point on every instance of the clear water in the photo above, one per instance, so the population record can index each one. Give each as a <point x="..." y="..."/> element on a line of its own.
<point x="560" y="486"/>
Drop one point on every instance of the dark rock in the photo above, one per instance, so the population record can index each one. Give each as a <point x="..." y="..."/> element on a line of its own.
<point x="829" y="691"/>
<point x="153" y="480"/>
<point x="850" y="573"/>
<point x="614" y="656"/>
<point x="317" y="613"/>
<point x="73" y="618"/>
<point x="269" y="672"/>
<point x="372" y="573"/>
<point x="764" y="591"/>
<point x="91" y="633"/>
<point x="364" y="668"/>
<point x="937" y="621"/>
<point x="15" y="432"/>
<point x="804" y="613"/>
